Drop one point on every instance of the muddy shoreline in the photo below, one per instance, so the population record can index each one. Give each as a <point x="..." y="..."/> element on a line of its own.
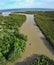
<point x="36" y="44"/>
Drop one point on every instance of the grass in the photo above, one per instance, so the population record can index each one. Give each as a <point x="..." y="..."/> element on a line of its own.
<point x="42" y="60"/>
<point x="45" y="21"/>
<point x="12" y="43"/>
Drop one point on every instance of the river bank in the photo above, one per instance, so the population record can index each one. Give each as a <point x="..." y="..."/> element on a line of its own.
<point x="36" y="43"/>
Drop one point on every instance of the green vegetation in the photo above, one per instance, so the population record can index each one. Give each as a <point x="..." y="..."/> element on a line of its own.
<point x="29" y="12"/>
<point x="0" y="12"/>
<point x="2" y="59"/>
<point x="45" y="21"/>
<point x="12" y="43"/>
<point x="42" y="60"/>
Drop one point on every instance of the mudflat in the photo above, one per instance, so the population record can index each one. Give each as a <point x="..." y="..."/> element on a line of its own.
<point x="36" y="44"/>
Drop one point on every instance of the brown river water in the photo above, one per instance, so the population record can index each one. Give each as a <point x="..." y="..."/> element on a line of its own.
<point x="36" y="44"/>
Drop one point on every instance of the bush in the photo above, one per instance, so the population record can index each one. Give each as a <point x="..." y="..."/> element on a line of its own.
<point x="12" y="43"/>
<point x="2" y="59"/>
<point x="42" y="60"/>
<point x="46" y="24"/>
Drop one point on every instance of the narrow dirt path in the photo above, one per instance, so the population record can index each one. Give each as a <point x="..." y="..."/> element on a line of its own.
<point x="36" y="43"/>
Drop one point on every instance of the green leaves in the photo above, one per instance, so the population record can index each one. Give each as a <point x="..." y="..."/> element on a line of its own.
<point x="42" y="60"/>
<point x="12" y="43"/>
<point x="16" y="44"/>
<point x="45" y="22"/>
<point x="0" y="54"/>
<point x="2" y="59"/>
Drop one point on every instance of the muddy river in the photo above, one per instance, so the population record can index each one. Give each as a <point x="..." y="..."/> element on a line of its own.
<point x="36" y="44"/>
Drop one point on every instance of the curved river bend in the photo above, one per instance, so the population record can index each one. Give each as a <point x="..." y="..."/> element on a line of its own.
<point x="36" y="44"/>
